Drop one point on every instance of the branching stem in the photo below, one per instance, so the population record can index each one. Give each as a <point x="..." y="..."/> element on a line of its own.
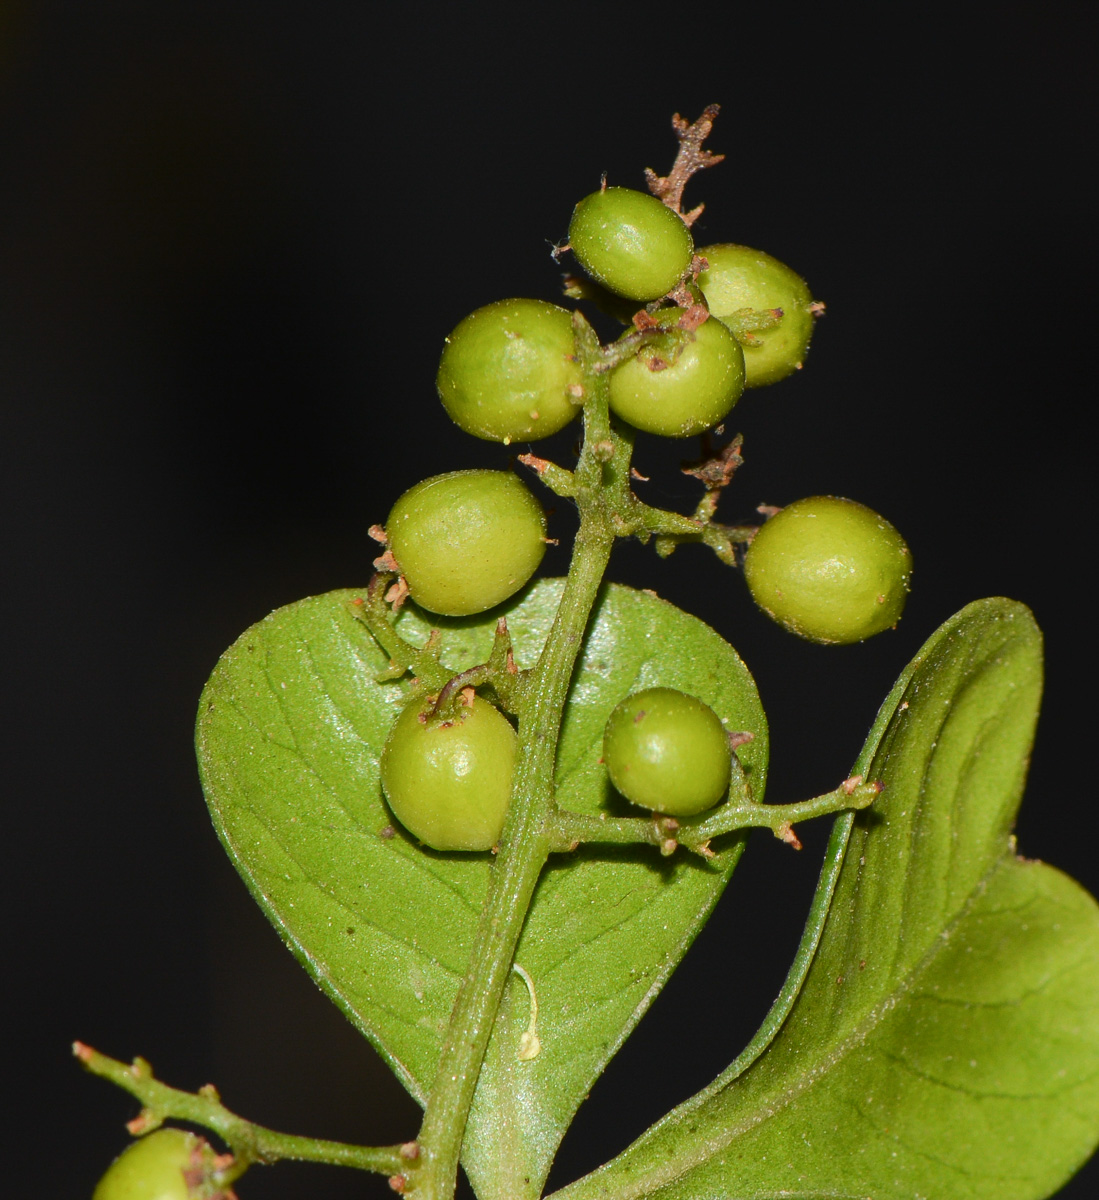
<point x="423" y="661"/>
<point x="690" y="159"/>
<point x="601" y="473"/>
<point x="248" y="1142"/>
<point x="570" y="830"/>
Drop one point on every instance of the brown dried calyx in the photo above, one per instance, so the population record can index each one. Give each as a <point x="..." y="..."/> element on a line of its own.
<point x="715" y="471"/>
<point x="689" y="160"/>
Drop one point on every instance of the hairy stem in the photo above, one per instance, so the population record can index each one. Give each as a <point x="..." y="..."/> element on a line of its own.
<point x="780" y="818"/>
<point x="526" y="840"/>
<point x="572" y="829"/>
<point x="374" y="613"/>
<point x="249" y="1143"/>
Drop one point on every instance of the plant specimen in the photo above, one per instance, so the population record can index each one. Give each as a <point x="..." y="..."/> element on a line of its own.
<point x="489" y="815"/>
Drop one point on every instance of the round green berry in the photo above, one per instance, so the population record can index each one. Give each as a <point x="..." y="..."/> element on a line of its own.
<point x="740" y="278"/>
<point x="680" y="396"/>
<point x="829" y="570"/>
<point x="667" y="751"/>
<point x="467" y="540"/>
<point x="169" y="1164"/>
<point x="509" y="373"/>
<point x="630" y="242"/>
<point x="449" y="782"/>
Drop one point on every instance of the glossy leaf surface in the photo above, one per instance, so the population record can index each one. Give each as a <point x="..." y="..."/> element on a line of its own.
<point x="291" y="728"/>
<point x="944" y="1043"/>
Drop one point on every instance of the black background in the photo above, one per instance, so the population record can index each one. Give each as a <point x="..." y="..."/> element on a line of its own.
<point x="232" y="238"/>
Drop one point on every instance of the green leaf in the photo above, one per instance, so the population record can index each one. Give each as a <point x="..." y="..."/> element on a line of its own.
<point x="944" y="1042"/>
<point x="290" y="730"/>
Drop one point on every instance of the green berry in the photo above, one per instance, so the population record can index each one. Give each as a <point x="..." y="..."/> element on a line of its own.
<point x="740" y="278"/>
<point x="154" y="1167"/>
<point x="630" y="242"/>
<point x="467" y="540"/>
<point x="449" y="782"/>
<point x="667" y="751"/>
<point x="508" y="371"/>
<point x="829" y="570"/>
<point x="680" y="396"/>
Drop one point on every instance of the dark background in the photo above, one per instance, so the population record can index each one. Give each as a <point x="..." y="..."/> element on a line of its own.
<point x="232" y="238"/>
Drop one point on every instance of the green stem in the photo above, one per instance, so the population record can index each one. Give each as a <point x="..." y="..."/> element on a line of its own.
<point x="448" y="700"/>
<point x="374" y="613"/>
<point x="526" y="840"/>
<point x="779" y="818"/>
<point x="572" y="829"/>
<point x="249" y="1143"/>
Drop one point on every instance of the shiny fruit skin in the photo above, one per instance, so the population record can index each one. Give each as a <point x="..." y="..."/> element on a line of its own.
<point x="508" y="371"/>
<point x="449" y="783"/>
<point x="630" y="242"/>
<point x="739" y="277"/>
<point x="829" y="570"/>
<point x="667" y="751"/>
<point x="467" y="540"/>
<point x="693" y="393"/>
<point x="152" y="1168"/>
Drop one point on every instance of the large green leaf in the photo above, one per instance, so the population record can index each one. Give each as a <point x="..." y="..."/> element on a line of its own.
<point x="944" y="1042"/>
<point x="290" y="730"/>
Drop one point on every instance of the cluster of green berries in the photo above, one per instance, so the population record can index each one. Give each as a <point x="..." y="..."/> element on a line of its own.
<point x="448" y="781"/>
<point x="509" y="372"/>
<point x="720" y="318"/>
<point x="716" y="320"/>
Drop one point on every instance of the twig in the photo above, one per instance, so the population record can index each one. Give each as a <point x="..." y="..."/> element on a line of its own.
<point x="372" y="612"/>
<point x="569" y="830"/>
<point x="249" y="1143"/>
<point x="689" y="160"/>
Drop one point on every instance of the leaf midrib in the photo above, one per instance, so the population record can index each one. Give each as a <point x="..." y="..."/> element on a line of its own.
<point x="770" y="1104"/>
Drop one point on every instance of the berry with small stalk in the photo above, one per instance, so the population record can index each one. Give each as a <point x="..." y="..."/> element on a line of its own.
<point x="509" y="372"/>
<point x="829" y="570"/>
<point x="465" y="541"/>
<point x="448" y="778"/>
<point x="630" y="242"/>
<point x="668" y="752"/>
<point x="766" y="304"/>
<point x="680" y="386"/>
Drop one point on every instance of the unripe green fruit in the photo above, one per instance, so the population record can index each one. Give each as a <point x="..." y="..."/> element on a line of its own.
<point x="739" y="277"/>
<point x="630" y="242"/>
<point x="508" y="371"/>
<point x="688" y="395"/>
<point x="667" y="751"/>
<point x="467" y="540"/>
<point x="449" y="782"/>
<point x="153" y="1169"/>
<point x="829" y="570"/>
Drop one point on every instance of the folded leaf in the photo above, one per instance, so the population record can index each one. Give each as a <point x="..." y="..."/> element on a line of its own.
<point x="944" y="1042"/>
<point x="290" y="731"/>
